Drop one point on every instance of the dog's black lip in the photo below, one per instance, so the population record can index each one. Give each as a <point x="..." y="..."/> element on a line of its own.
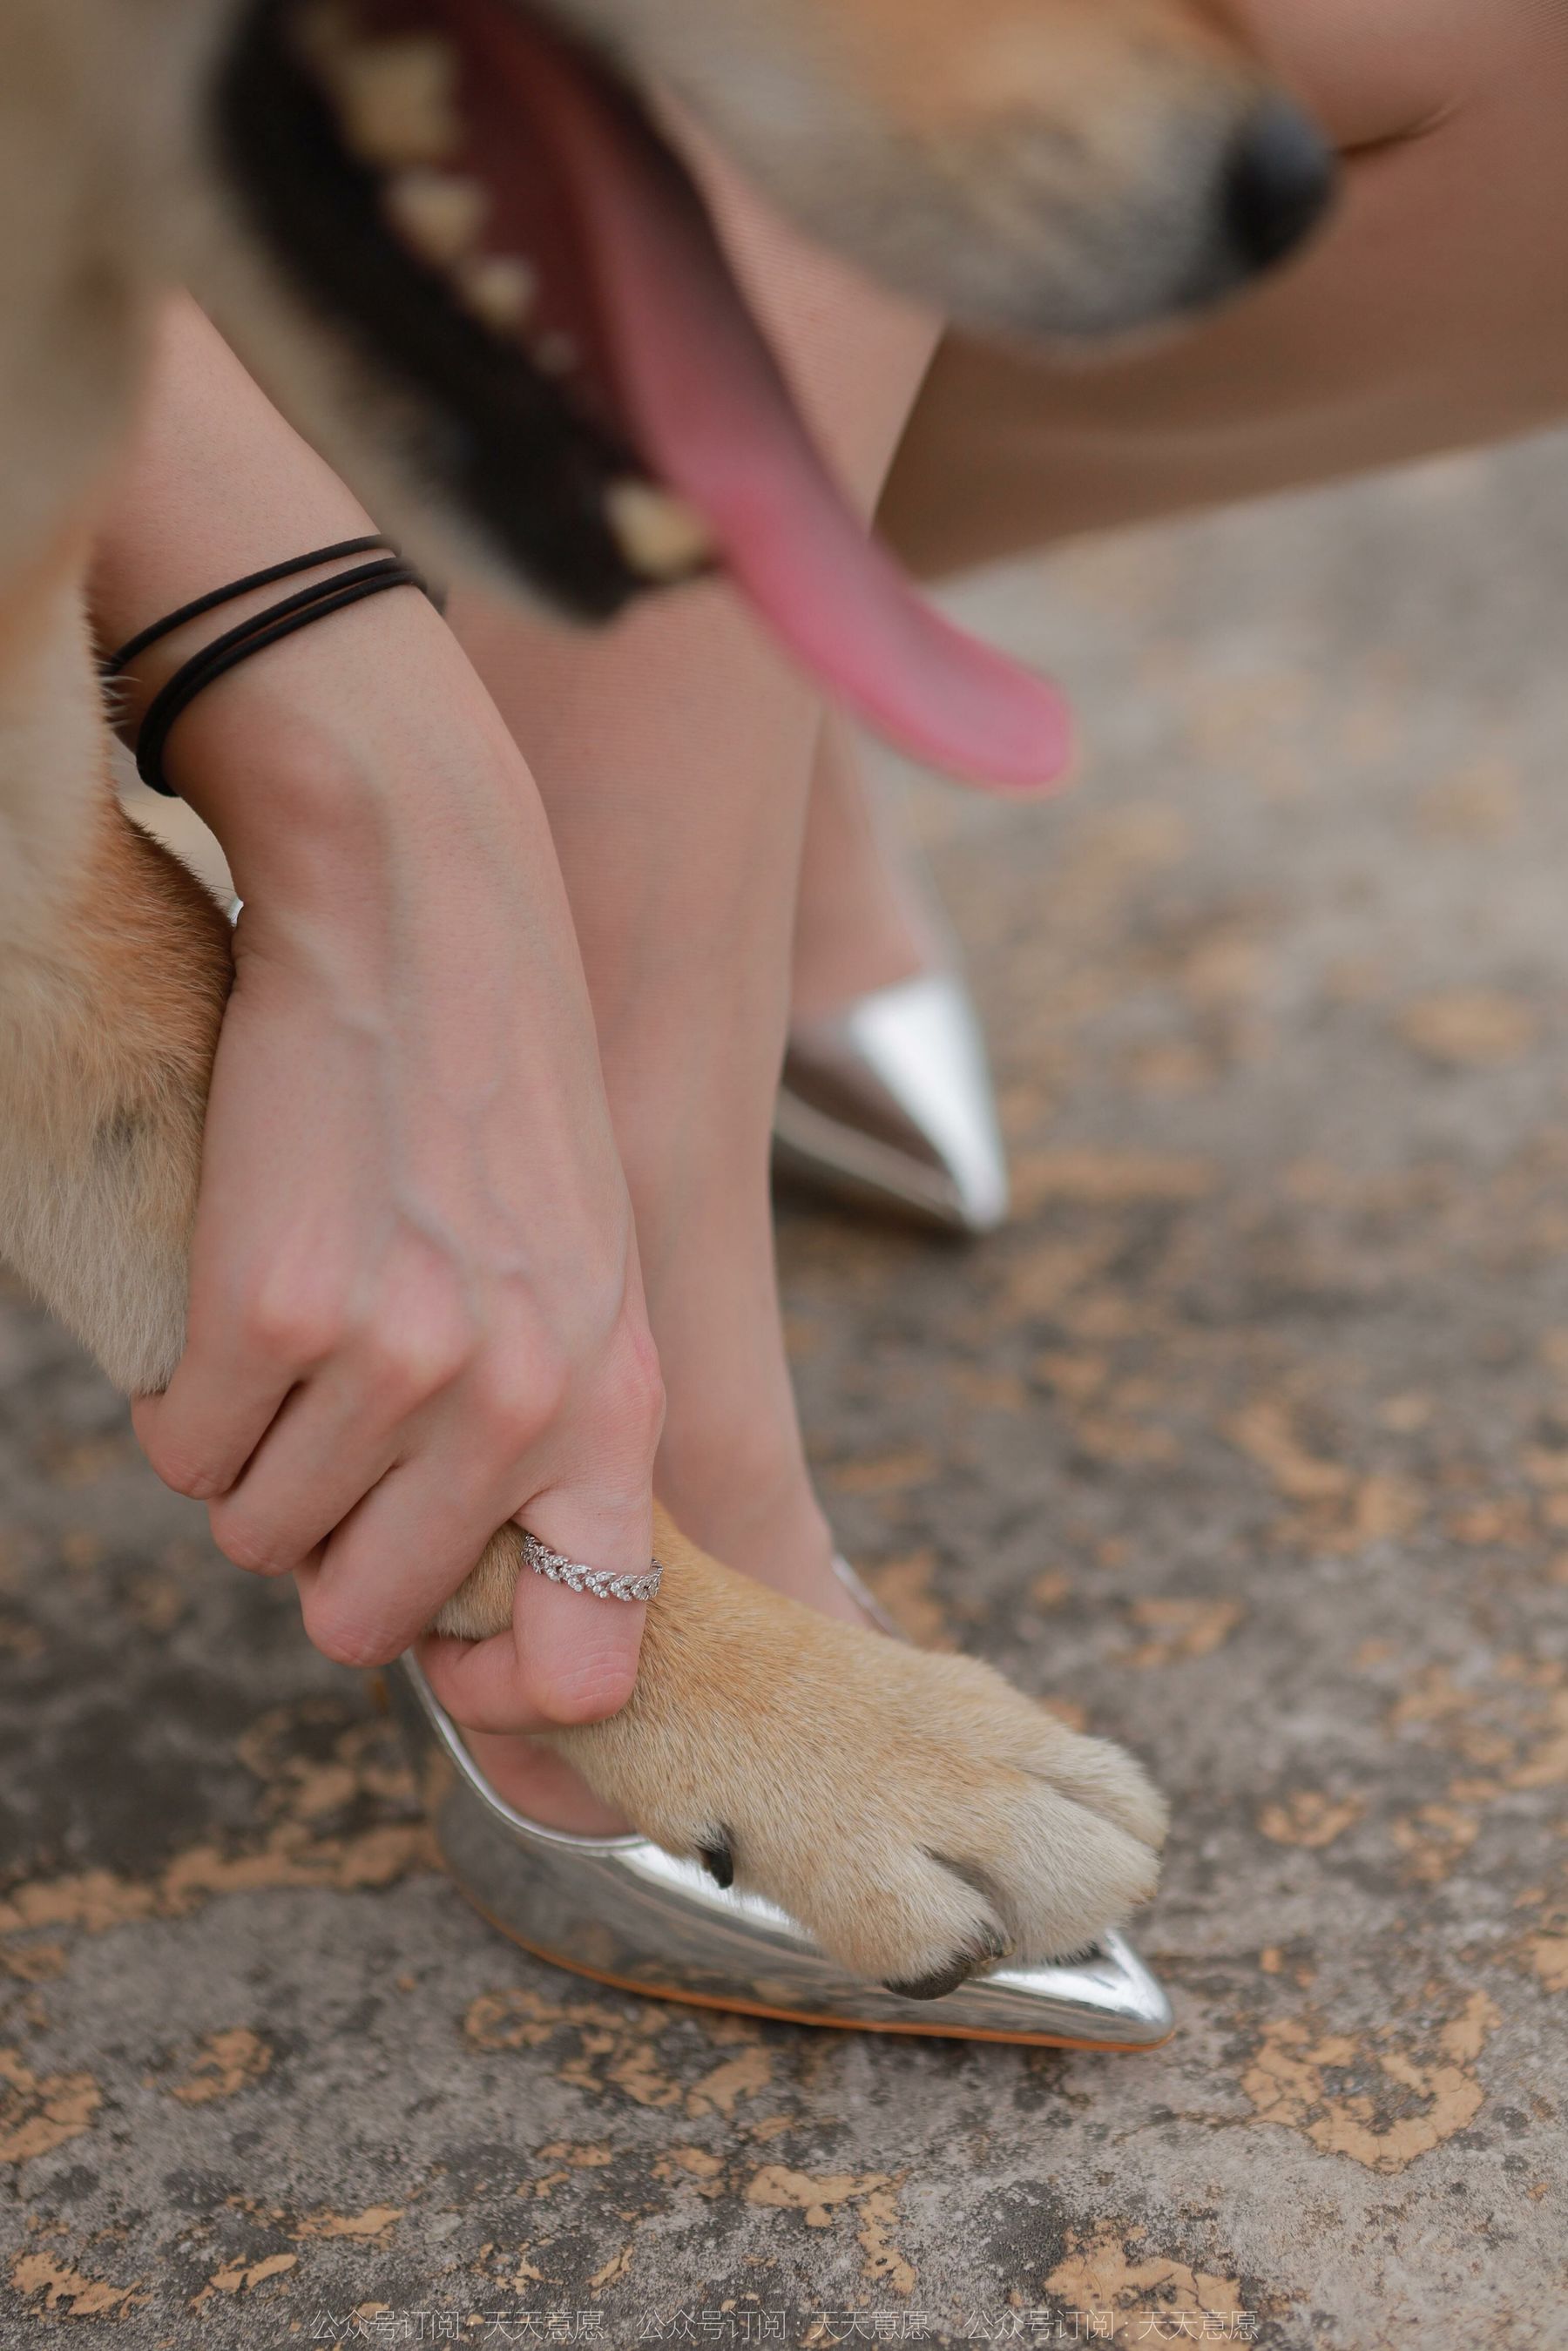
<point x="491" y="431"/>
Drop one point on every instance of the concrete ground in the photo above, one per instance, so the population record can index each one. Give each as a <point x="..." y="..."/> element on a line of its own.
<point x="1248" y="1441"/>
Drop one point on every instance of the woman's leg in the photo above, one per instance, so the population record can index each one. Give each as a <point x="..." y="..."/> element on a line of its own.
<point x="1431" y="315"/>
<point x="673" y="756"/>
<point x="861" y="923"/>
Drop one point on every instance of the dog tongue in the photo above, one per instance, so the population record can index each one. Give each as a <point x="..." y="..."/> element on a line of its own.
<point x="714" y="420"/>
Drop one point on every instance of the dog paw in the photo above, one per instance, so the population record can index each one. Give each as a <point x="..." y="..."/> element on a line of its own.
<point x="918" y="1816"/>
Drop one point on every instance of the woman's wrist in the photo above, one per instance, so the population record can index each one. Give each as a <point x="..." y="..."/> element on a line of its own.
<point x="317" y="746"/>
<point x="319" y="731"/>
<point x="355" y="765"/>
<point x="321" y="797"/>
<point x="216" y="487"/>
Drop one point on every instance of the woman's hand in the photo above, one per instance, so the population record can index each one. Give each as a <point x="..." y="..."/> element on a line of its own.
<point x="415" y="1308"/>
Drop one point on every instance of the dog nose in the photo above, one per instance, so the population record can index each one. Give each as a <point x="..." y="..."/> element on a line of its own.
<point x="1278" y="184"/>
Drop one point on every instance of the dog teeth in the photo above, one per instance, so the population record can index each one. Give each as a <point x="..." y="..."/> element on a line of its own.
<point x="659" y="534"/>
<point x="499" y="289"/>
<point x="397" y="98"/>
<point x="438" y="214"/>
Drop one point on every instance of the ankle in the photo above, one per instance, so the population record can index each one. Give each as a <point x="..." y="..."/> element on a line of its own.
<point x="849" y="949"/>
<point x="749" y="1505"/>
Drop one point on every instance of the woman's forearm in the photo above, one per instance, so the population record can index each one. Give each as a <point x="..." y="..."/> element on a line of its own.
<point x="215" y="482"/>
<point x="414" y="1303"/>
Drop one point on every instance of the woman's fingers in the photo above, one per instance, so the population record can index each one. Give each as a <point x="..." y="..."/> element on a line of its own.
<point x="478" y="1683"/>
<point x="567" y="1656"/>
<point x="399" y="1554"/>
<point x="282" y="1415"/>
<point x="568" y="1659"/>
<point x="204" y="1429"/>
<point x="576" y="1653"/>
<point x="385" y="1571"/>
<point x="325" y="1451"/>
<point x="509" y="1428"/>
<point x="342" y="1430"/>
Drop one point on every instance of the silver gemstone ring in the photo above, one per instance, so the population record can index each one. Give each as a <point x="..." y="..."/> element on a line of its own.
<point x="595" y="1579"/>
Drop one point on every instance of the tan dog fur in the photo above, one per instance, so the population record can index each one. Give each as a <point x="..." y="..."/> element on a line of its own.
<point x="914" y="1811"/>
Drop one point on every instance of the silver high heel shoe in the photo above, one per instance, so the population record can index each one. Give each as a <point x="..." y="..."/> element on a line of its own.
<point x="890" y="1101"/>
<point x="623" y="1911"/>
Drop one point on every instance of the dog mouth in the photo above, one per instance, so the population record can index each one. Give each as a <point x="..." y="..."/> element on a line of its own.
<point x="488" y="213"/>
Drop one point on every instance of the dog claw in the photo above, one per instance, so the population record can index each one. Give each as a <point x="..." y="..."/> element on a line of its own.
<point x="717" y="1859"/>
<point x="964" y="1964"/>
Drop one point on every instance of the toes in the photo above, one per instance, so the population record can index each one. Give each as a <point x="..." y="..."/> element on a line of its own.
<point x="921" y="1923"/>
<point x="1071" y="1874"/>
<point x="918" y="1817"/>
<point x="1106" y="1780"/>
<point x="979" y="1710"/>
<point x="992" y="1888"/>
<point x="906" y="1920"/>
<point x="957" y="1969"/>
<point x="1094" y="1772"/>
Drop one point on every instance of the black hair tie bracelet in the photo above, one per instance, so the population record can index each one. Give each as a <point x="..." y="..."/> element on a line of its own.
<point x="237" y="645"/>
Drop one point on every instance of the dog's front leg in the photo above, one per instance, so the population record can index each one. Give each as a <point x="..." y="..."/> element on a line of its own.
<point x="915" y="1813"/>
<point x="114" y="970"/>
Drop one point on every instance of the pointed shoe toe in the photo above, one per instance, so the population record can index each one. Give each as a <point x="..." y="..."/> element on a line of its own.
<point x="623" y="1911"/>
<point x="889" y="1101"/>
